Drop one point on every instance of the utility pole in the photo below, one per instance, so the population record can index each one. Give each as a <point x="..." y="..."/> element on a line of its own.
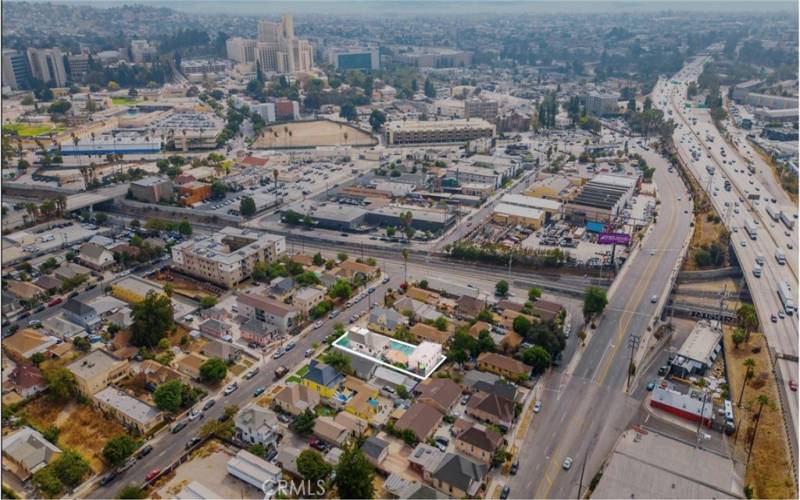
<point x="583" y="468"/>
<point x="633" y="343"/>
<point x="700" y="422"/>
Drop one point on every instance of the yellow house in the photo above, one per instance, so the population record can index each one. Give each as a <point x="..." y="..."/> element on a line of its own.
<point x="362" y="398"/>
<point x="322" y="378"/>
<point x="97" y="370"/>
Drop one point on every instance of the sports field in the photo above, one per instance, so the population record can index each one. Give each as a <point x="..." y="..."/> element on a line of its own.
<point x="312" y="133"/>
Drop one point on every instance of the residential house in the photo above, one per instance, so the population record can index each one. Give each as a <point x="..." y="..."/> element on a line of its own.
<point x="352" y="270"/>
<point x="257" y="425"/>
<point x="48" y="283"/>
<point x="97" y="370"/>
<point x="419" y="310"/>
<point x="303" y="260"/>
<point x="386" y="320"/>
<point x="357" y="397"/>
<point x="215" y="328"/>
<point x="226" y="351"/>
<point x="27" y="451"/>
<point x="478" y="381"/>
<point x="356" y="425"/>
<point x="95" y="257"/>
<point x="546" y="310"/>
<point x="397" y="486"/>
<point x="506" y="366"/>
<point x="479" y="326"/>
<point x="190" y="365"/>
<point x="280" y="287"/>
<point x="130" y="411"/>
<point x="375" y="449"/>
<point x="287" y="459"/>
<point x="306" y="298"/>
<point x="23" y="290"/>
<point x="253" y="330"/>
<point x="479" y="443"/>
<point x="27" y="342"/>
<point x="70" y="270"/>
<point x="155" y="373"/>
<point x="61" y="327"/>
<point x="439" y="393"/>
<point x="492" y="408"/>
<point x="422" y="331"/>
<point x="81" y="313"/>
<point x="296" y="398"/>
<point x="322" y="378"/>
<point x="421" y="419"/>
<point x="255" y="471"/>
<point x="26" y="380"/>
<point x="425" y="459"/>
<point x="511" y="341"/>
<point x="459" y="476"/>
<point x="469" y="307"/>
<point x="328" y="430"/>
<point x="386" y="377"/>
<point x="276" y="315"/>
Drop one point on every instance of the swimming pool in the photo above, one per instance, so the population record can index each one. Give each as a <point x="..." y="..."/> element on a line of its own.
<point x="397" y="346"/>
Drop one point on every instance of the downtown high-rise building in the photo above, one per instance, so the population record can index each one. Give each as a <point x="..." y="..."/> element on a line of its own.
<point x="16" y="70"/>
<point x="47" y="65"/>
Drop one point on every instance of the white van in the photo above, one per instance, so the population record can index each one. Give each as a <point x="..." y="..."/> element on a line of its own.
<point x="757" y="271"/>
<point x="760" y="259"/>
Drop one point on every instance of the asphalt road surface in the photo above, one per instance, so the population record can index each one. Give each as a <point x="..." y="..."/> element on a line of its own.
<point x="584" y="410"/>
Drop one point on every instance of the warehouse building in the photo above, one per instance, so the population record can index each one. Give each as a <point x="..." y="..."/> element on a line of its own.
<point x="699" y="350"/>
<point x="399" y="133"/>
<point x="151" y="189"/>
<point x="601" y="199"/>
<point x="422" y="219"/>
<point x="551" y="208"/>
<point x="332" y="216"/>
<point x="516" y="215"/>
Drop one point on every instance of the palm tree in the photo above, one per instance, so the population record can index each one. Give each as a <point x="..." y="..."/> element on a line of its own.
<point x="75" y="141"/>
<point x="275" y="180"/>
<point x="750" y="364"/>
<point x="748" y="319"/>
<point x="405" y="265"/>
<point x="762" y="400"/>
<point x="31" y="208"/>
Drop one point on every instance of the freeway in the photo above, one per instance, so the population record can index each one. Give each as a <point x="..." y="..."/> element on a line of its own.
<point x="696" y="133"/>
<point x="168" y="446"/>
<point x="585" y="406"/>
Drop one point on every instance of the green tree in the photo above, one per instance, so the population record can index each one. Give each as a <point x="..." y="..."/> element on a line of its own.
<point x="208" y="301"/>
<point x="341" y="290"/>
<point x="461" y="346"/>
<point x="37" y="358"/>
<point x="376" y="120"/>
<point x="169" y="396"/>
<point x="429" y="89"/>
<point x="738" y="336"/>
<point x="218" y="189"/>
<point x="319" y="260"/>
<point x="534" y="294"/>
<point x="51" y="433"/>
<point x="169" y="288"/>
<point x="402" y="392"/>
<point x="46" y="482"/>
<point x="440" y="323"/>
<point x="354" y="474"/>
<point x="70" y="468"/>
<point x="342" y="256"/>
<point x="594" y="301"/>
<point x="484" y="343"/>
<point x="60" y="382"/>
<point x="185" y="228"/>
<point x="59" y="107"/>
<point x="132" y="492"/>
<point x="213" y="371"/>
<point x="312" y="467"/>
<point x="537" y="357"/>
<point x="747" y="318"/>
<point x="348" y="112"/>
<point x="152" y="319"/>
<point x="521" y="325"/>
<point x="304" y="423"/>
<point x="337" y="360"/>
<point x="119" y="448"/>
<point x="247" y="206"/>
<point x="501" y="288"/>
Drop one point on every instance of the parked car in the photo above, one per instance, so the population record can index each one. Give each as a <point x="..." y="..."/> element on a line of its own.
<point x="230" y="389"/>
<point x="209" y="404"/>
<point x="152" y="474"/>
<point x="514" y="468"/>
<point x="193" y="442"/>
<point x="308" y="352"/>
<point x="506" y="491"/>
<point x="537" y="407"/>
<point x="252" y="373"/>
<point x="317" y="444"/>
<point x="259" y="392"/>
<point x="126" y="465"/>
<point x="107" y="478"/>
<point x="178" y="426"/>
<point x="194" y="415"/>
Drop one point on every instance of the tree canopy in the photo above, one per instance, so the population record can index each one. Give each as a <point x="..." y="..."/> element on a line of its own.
<point x="354" y="474"/>
<point x="152" y="319"/>
<point x="213" y="371"/>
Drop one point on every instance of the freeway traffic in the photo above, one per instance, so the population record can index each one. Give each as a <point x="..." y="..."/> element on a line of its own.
<point x="697" y="134"/>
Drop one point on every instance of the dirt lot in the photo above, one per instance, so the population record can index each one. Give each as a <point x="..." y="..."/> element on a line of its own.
<point x="82" y="427"/>
<point x="312" y="133"/>
<point x="769" y="472"/>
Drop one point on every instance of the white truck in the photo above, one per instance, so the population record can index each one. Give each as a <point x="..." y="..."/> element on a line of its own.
<point x="780" y="256"/>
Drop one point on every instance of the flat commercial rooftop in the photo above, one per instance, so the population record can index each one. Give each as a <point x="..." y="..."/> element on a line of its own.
<point x="651" y="465"/>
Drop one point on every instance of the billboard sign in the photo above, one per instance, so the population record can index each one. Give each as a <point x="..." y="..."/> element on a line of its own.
<point x="614" y="239"/>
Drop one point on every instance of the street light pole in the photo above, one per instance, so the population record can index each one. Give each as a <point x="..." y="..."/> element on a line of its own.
<point x="633" y="343"/>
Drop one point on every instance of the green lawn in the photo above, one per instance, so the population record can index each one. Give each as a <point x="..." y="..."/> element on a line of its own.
<point x="123" y="101"/>
<point x="31" y="130"/>
<point x="324" y="411"/>
<point x="293" y="379"/>
<point x="302" y="371"/>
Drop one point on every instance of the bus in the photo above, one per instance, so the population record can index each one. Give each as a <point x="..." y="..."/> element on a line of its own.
<point x="772" y="213"/>
<point x="787" y="220"/>
<point x="785" y="294"/>
<point x="750" y="228"/>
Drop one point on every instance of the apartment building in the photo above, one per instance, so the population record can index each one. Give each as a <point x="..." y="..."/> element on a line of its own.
<point x="273" y="314"/>
<point x="97" y="370"/>
<point x="228" y="256"/>
<point x="47" y="65"/>
<point x="601" y="104"/>
<point x="479" y="108"/>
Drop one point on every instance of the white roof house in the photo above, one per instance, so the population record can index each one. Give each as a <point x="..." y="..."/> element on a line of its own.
<point x="254" y="471"/>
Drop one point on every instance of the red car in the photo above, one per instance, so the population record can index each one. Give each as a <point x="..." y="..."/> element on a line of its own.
<point x="152" y="474"/>
<point x="793" y="385"/>
<point x="55" y="302"/>
<point x="316" y="444"/>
